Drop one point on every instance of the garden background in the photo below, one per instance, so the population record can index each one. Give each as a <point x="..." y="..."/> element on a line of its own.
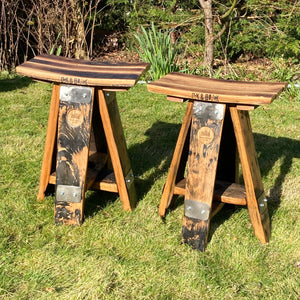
<point x="120" y="255"/>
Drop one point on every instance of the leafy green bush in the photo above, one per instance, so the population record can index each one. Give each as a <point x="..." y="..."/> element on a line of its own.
<point x="129" y="15"/>
<point x="259" y="28"/>
<point x="266" y="29"/>
<point x="157" y="49"/>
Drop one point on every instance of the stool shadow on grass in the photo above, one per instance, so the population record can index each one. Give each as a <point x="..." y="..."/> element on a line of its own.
<point x="154" y="156"/>
<point x="18" y="82"/>
<point x="269" y="150"/>
<point x="96" y="201"/>
<point x="150" y="160"/>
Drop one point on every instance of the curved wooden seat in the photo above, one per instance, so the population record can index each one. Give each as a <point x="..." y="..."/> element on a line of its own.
<point x="216" y="90"/>
<point x="58" y="69"/>
<point x="204" y="167"/>
<point x="84" y="135"/>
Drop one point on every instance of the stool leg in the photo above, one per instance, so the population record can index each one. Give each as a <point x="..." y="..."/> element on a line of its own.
<point x="116" y="143"/>
<point x="256" y="201"/>
<point x="205" y="138"/>
<point x="168" y="190"/>
<point x="49" y="143"/>
<point x="73" y="139"/>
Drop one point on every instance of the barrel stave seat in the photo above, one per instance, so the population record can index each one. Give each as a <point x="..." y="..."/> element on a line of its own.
<point x="215" y="135"/>
<point x="85" y="146"/>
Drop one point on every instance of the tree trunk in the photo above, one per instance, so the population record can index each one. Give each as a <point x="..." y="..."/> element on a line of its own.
<point x="209" y="32"/>
<point x="80" y="49"/>
<point x="78" y="27"/>
<point x="210" y="37"/>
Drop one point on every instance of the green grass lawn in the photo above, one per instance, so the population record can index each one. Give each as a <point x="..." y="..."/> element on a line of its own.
<point x="121" y="255"/>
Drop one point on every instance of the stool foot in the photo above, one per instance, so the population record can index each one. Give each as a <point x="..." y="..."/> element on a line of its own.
<point x="259" y="216"/>
<point x="195" y="233"/>
<point x="69" y="214"/>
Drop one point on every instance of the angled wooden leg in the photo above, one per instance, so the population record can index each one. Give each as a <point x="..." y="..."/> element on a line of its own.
<point x="256" y="201"/>
<point x="206" y="131"/>
<point x="73" y="138"/>
<point x="116" y="143"/>
<point x="168" y="191"/>
<point x="49" y="143"/>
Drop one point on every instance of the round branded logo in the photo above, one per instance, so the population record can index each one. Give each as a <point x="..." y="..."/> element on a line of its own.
<point x="205" y="135"/>
<point x="74" y="118"/>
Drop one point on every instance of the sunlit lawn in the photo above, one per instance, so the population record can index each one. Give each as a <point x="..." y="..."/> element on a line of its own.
<point x="121" y="255"/>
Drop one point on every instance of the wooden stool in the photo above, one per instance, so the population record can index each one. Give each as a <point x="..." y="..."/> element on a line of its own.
<point x="84" y="136"/>
<point x="215" y="124"/>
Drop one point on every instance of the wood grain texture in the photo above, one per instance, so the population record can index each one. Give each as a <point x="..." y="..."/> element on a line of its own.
<point x="70" y="126"/>
<point x="204" y="149"/>
<point x="58" y="69"/>
<point x="96" y="163"/>
<point x="259" y="215"/>
<point x="49" y="143"/>
<point x="106" y="182"/>
<point x="177" y="159"/>
<point x="73" y="138"/>
<point x="200" y="185"/>
<point x="203" y="158"/>
<point x="225" y="192"/>
<point x="114" y="134"/>
<point x="215" y="90"/>
<point x="195" y="232"/>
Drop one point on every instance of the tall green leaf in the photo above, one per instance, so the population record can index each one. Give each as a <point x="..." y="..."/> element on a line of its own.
<point x="155" y="47"/>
